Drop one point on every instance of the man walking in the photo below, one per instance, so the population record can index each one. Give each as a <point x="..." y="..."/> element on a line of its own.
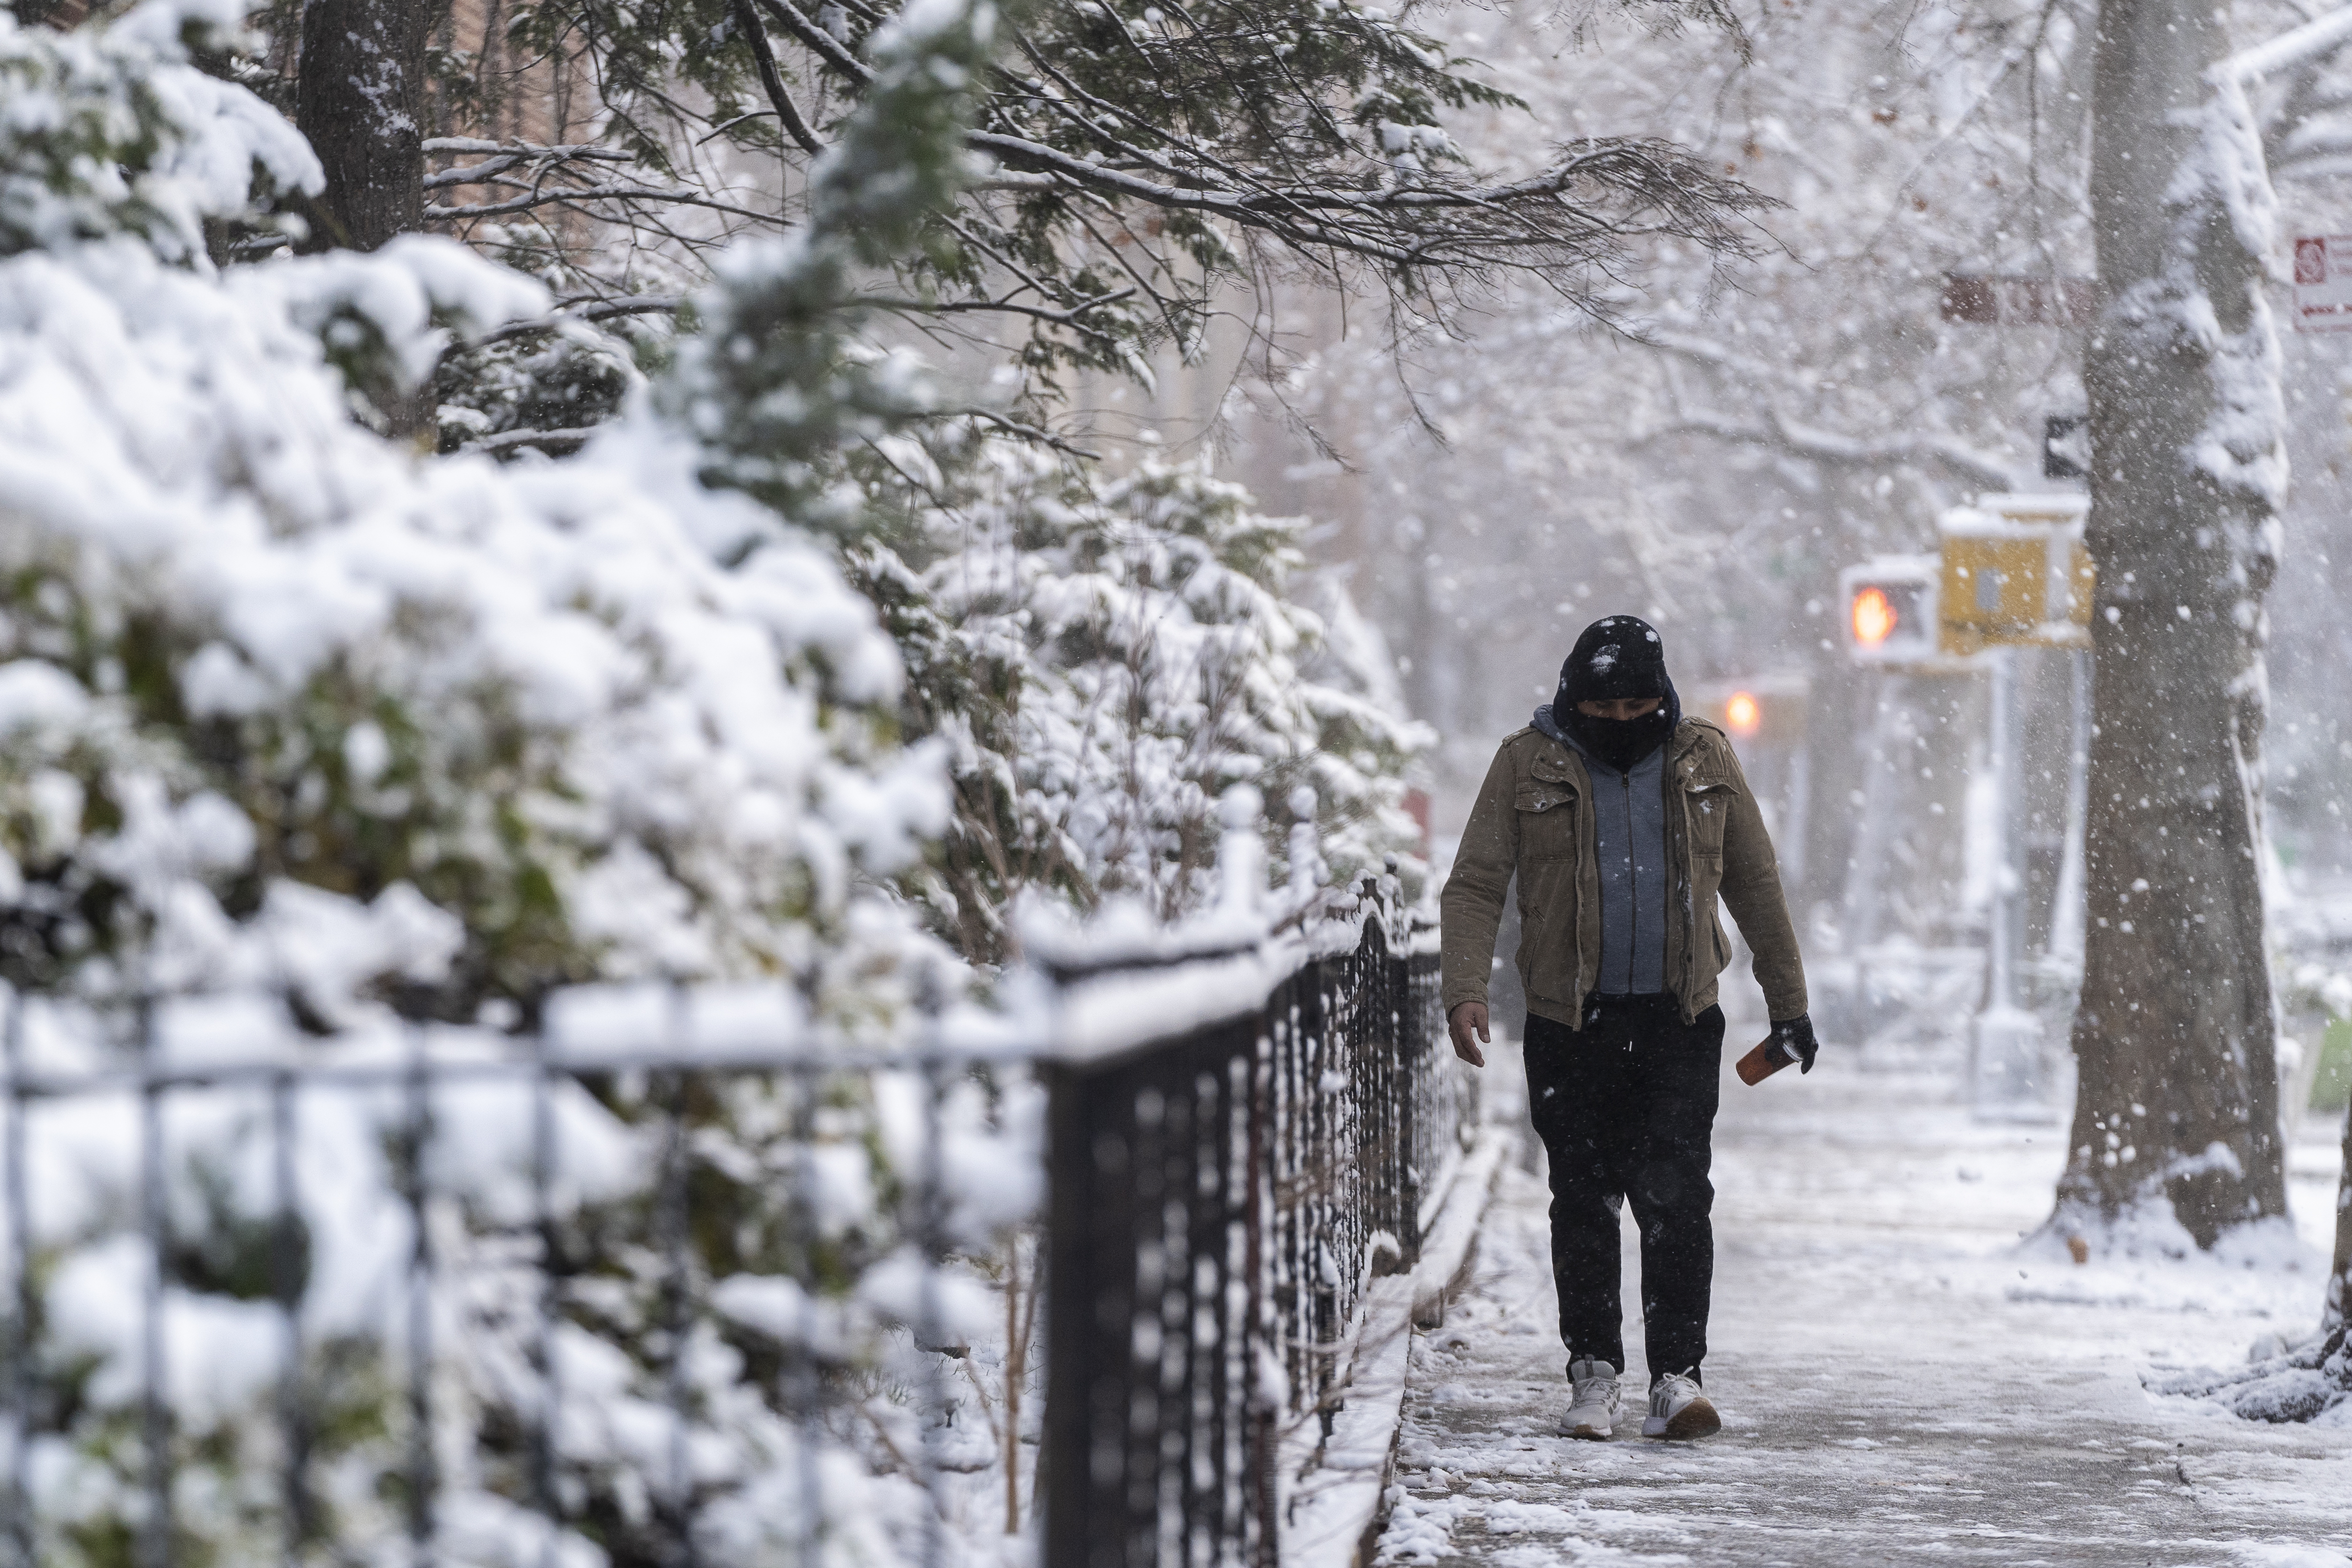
<point x="1622" y="821"/>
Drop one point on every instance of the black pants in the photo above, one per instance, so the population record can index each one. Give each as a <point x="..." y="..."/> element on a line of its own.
<point x="1625" y="1108"/>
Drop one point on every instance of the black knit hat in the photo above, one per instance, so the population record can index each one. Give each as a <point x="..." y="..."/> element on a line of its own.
<point x="1616" y="657"/>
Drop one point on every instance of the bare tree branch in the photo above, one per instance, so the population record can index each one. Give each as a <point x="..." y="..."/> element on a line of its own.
<point x="1066" y="317"/>
<point x="570" y="194"/>
<point x="1784" y="434"/>
<point x="1037" y="434"/>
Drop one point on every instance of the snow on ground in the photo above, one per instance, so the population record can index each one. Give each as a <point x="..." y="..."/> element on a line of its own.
<point x="1900" y="1381"/>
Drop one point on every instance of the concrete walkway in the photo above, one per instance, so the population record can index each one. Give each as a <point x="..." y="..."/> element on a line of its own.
<point x="1900" y="1381"/>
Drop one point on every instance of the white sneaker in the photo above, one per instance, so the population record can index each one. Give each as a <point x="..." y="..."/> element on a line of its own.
<point x="1592" y="1412"/>
<point x="1679" y="1410"/>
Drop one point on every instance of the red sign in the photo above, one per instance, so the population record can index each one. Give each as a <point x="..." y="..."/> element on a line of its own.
<point x="2323" y="283"/>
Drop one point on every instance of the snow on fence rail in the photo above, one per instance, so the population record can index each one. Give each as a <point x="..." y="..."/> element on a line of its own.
<point x="672" y="1280"/>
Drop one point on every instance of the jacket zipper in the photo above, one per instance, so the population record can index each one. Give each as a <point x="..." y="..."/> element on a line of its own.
<point x="1632" y="882"/>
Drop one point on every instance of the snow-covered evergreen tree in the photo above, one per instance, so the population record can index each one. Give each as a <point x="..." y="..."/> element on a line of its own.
<point x="1106" y="657"/>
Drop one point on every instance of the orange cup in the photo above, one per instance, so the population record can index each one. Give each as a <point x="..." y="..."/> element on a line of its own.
<point x="1762" y="1062"/>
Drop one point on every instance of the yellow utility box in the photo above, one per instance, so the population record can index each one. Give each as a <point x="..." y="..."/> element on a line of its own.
<point x="2015" y="573"/>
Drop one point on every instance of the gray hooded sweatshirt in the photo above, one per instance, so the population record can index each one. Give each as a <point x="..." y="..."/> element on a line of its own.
<point x="1629" y="825"/>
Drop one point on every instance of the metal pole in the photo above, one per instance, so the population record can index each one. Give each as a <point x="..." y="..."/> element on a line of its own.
<point x="2066" y="911"/>
<point x="805" y="1389"/>
<point x="418" y="1136"/>
<point x="2005" y="1064"/>
<point x="1797" y="832"/>
<point x="676" y="1318"/>
<point x="1865" y="867"/>
<point x="930" y="1332"/>
<point x="20" y="1263"/>
<point x="156" y="1427"/>
<point x="2000" y="937"/>
<point x="288" y="1264"/>
<point x="543" y="1343"/>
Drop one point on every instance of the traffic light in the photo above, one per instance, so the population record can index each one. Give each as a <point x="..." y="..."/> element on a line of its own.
<point x="1890" y="609"/>
<point x="1766" y="709"/>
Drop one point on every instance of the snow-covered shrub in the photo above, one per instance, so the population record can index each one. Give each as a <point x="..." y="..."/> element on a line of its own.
<point x="565" y="381"/>
<point x="284" y="705"/>
<point x="1106" y="656"/>
<point x="565" y="373"/>
<point x="248" y="644"/>
<point x="111" y="131"/>
<point x="251" y="650"/>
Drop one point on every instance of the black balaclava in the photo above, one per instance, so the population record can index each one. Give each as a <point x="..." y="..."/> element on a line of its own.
<point x="1616" y="657"/>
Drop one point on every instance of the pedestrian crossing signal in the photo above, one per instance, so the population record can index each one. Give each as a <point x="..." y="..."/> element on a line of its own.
<point x="1890" y="609"/>
<point x="1875" y="615"/>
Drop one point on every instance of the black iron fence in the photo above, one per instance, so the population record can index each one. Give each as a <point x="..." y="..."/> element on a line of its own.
<point x="1222" y="1196"/>
<point x="677" y="1282"/>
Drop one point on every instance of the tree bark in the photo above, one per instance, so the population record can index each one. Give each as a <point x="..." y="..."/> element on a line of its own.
<point x="2176" y="1032"/>
<point x="2338" y="1303"/>
<point x="359" y="99"/>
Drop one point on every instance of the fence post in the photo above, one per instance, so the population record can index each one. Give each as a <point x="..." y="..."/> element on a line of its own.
<point x="20" y="1527"/>
<point x="1265" y="1411"/>
<point x="290" y="1270"/>
<point x="1086" y="1191"/>
<point x="1407" y="1049"/>
<point x="155" y="1542"/>
<point x="415" y="1146"/>
<point x="1213" y="1197"/>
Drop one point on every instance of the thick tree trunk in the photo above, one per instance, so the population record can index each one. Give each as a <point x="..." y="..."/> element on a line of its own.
<point x="359" y="99"/>
<point x="2339" y="1277"/>
<point x="2176" y="1034"/>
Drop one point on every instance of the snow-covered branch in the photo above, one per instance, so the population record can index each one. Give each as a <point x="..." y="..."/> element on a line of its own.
<point x="591" y="310"/>
<point x="2299" y="46"/>
<point x="1796" y="438"/>
<point x="504" y="157"/>
<point x="771" y="80"/>
<point x="1782" y="434"/>
<point x="1628" y="188"/>
<point x="535" y="197"/>
<point x="541" y="440"/>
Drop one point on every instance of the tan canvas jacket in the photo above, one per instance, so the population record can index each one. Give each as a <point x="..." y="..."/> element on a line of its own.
<point x="1533" y="817"/>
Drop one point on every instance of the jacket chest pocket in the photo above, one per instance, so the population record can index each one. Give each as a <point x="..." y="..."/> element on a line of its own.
<point x="1707" y="809"/>
<point x="1547" y="821"/>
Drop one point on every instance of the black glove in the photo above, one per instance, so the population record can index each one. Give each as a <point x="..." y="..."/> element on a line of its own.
<point x="1795" y="1037"/>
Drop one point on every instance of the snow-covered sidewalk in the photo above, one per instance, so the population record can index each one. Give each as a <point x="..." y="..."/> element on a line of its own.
<point x="1899" y="1381"/>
